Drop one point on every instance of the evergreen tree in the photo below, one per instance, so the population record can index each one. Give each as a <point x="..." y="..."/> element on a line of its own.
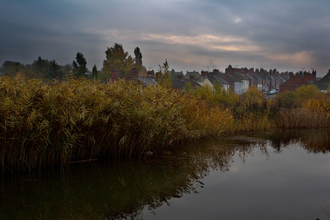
<point x="79" y="66"/>
<point x="54" y="71"/>
<point x="94" y="72"/>
<point x="46" y="69"/>
<point x="41" y="67"/>
<point x="138" y="58"/>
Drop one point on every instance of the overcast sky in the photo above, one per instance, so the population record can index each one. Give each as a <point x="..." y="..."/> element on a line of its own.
<point x="190" y="34"/>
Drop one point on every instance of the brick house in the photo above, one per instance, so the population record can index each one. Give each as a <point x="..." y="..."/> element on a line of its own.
<point x="297" y="80"/>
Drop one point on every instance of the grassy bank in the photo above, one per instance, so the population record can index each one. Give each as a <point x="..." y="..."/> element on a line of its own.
<point x="48" y="123"/>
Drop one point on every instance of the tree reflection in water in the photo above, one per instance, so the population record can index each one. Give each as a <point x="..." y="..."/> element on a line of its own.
<point x="122" y="190"/>
<point x="313" y="140"/>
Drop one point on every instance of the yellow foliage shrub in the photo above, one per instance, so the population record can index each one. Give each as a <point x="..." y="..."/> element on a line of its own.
<point x="319" y="103"/>
<point x="305" y="92"/>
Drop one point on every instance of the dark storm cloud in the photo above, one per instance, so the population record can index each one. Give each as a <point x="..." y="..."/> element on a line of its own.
<point x="287" y="35"/>
<point x="52" y="30"/>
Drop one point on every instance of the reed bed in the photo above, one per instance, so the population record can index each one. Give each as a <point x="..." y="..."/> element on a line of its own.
<point x="44" y="123"/>
<point x="301" y="118"/>
<point x="251" y="122"/>
<point x="51" y="123"/>
<point x="314" y="112"/>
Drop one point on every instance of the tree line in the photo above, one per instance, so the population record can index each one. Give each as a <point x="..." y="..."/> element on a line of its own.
<point x="116" y="59"/>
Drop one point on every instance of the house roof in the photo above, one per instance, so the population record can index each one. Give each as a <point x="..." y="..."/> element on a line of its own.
<point x="294" y="82"/>
<point x="148" y="81"/>
<point x="176" y="74"/>
<point x="240" y="76"/>
<point x="220" y="79"/>
<point x="213" y="78"/>
<point x="253" y="77"/>
<point x="193" y="83"/>
<point x="132" y="78"/>
<point x="323" y="83"/>
<point x="264" y="76"/>
<point x="249" y="77"/>
<point x="178" y="83"/>
<point x="276" y="77"/>
<point x="285" y="75"/>
<point x="256" y="75"/>
<point x="233" y="78"/>
<point x="196" y="74"/>
<point x="230" y="78"/>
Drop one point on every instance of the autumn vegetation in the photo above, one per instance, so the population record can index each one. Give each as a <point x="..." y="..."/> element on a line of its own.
<point x="47" y="122"/>
<point x="52" y="117"/>
<point x="55" y="123"/>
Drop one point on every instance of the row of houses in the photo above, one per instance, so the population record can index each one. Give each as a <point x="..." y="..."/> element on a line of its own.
<point x="284" y="81"/>
<point x="237" y="79"/>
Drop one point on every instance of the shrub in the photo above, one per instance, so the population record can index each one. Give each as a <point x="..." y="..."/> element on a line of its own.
<point x="284" y="100"/>
<point x="305" y="92"/>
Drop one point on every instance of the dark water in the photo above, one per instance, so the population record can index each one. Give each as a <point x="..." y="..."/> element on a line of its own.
<point x="283" y="175"/>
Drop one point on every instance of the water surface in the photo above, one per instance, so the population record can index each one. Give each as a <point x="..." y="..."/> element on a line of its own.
<point x="283" y="175"/>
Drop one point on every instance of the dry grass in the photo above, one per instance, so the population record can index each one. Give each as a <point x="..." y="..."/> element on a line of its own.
<point x="46" y="124"/>
<point x="313" y="113"/>
<point x="301" y="118"/>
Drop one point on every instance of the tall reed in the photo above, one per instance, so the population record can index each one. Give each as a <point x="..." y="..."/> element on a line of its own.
<point x="313" y="113"/>
<point x="46" y="123"/>
<point x="301" y="118"/>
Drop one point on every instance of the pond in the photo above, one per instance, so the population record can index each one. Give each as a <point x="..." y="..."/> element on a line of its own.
<point x="279" y="175"/>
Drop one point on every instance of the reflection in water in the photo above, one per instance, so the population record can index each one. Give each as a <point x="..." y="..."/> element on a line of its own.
<point x="101" y="190"/>
<point x="313" y="140"/>
<point x="94" y="191"/>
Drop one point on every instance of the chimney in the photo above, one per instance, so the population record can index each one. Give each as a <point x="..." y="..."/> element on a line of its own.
<point x="135" y="73"/>
<point x="291" y="75"/>
<point x="151" y="74"/>
<point x="114" y="75"/>
<point x="251" y="71"/>
<point x="204" y="73"/>
<point x="314" y="75"/>
<point x="306" y="77"/>
<point x="216" y="72"/>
